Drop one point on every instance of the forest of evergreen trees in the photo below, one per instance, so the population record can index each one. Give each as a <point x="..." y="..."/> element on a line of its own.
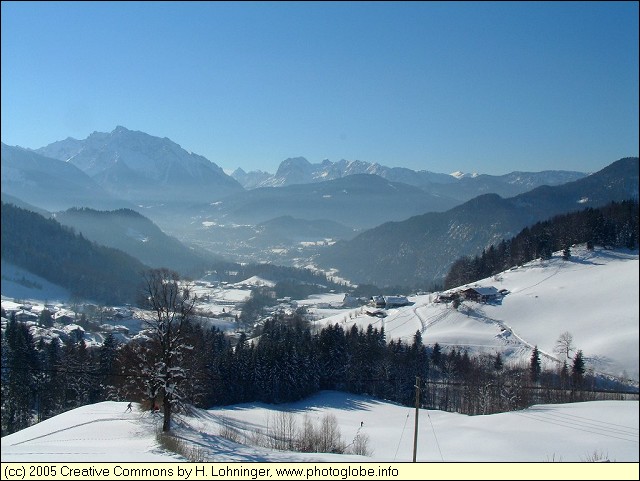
<point x="287" y="362"/>
<point x="614" y="225"/>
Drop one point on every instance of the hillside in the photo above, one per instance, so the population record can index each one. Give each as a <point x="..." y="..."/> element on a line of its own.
<point x="62" y="257"/>
<point x="577" y="432"/>
<point x="130" y="232"/>
<point x="594" y="296"/>
<point x="50" y="183"/>
<point x="544" y="299"/>
<point x="421" y="249"/>
<point x="360" y="200"/>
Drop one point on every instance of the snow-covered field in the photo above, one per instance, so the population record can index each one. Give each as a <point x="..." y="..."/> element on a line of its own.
<point x="105" y="432"/>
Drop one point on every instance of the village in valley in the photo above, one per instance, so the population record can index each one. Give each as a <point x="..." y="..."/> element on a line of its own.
<point x="220" y="304"/>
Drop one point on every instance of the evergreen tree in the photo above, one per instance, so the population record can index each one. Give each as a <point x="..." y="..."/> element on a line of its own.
<point x="332" y="357"/>
<point x="498" y="364"/>
<point x="578" y="369"/>
<point x="46" y="318"/>
<point x="19" y="382"/>
<point x="77" y="373"/>
<point x="436" y="355"/>
<point x="534" y="365"/>
<point x="107" y="368"/>
<point x="52" y="393"/>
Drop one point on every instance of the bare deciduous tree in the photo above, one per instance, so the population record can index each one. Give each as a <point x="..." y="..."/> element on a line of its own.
<point x="564" y="346"/>
<point x="172" y="302"/>
<point x="329" y="434"/>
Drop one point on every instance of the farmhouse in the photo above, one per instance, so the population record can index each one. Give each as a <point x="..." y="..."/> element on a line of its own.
<point x="481" y="294"/>
<point x="388" y="302"/>
<point x="378" y="302"/>
<point x="396" y="301"/>
<point x="63" y="318"/>
<point x="24" y="315"/>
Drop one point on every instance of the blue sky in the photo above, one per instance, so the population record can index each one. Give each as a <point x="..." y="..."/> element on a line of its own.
<point x="485" y="87"/>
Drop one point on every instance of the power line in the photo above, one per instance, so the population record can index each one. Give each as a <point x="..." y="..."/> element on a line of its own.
<point x="434" y="435"/>
<point x="401" y="434"/>
<point x="574" y="427"/>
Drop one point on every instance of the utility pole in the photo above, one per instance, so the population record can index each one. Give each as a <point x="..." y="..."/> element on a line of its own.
<point x="415" y="430"/>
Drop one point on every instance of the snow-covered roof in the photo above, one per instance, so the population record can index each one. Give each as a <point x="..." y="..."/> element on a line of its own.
<point x="485" y="291"/>
<point x="256" y="281"/>
<point x="396" y="299"/>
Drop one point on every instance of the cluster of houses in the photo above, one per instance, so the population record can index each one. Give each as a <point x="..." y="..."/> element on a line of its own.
<point x="485" y="295"/>
<point x="25" y="312"/>
<point x="65" y="321"/>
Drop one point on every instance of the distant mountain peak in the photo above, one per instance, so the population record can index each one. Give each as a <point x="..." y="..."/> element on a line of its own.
<point x="139" y="167"/>
<point x="293" y="162"/>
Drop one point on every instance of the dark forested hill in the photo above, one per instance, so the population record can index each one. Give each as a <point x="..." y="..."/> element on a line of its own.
<point x="54" y="252"/>
<point x="421" y="249"/>
<point x="136" y="235"/>
<point x="614" y="225"/>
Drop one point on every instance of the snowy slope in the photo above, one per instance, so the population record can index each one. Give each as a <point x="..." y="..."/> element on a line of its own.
<point x="104" y="432"/>
<point x="594" y="296"/>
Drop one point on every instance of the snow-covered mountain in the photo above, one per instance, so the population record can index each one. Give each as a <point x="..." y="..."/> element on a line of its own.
<point x="298" y="170"/>
<point x="461" y="186"/>
<point x="250" y="180"/>
<point x="142" y="168"/>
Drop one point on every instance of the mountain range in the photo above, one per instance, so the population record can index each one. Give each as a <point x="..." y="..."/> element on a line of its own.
<point x="138" y="169"/>
<point x="456" y="185"/>
<point x="422" y="248"/>
<point x="408" y="225"/>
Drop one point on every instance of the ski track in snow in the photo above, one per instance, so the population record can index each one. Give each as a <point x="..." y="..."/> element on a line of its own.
<point x="588" y="425"/>
<point x="94" y="421"/>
